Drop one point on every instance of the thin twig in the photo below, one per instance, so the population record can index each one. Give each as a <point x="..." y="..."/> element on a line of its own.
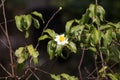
<point x="110" y="70"/>
<point x="103" y="63"/>
<point x="34" y="74"/>
<point x="48" y="24"/>
<point x="5" y="78"/>
<point x="29" y="76"/>
<point x="8" y="21"/>
<point x="8" y="40"/>
<point x="5" y="70"/>
<point x="96" y="67"/>
<point x="81" y="60"/>
<point x="4" y="43"/>
<point x="2" y="29"/>
<point x="2" y="4"/>
<point x="116" y="43"/>
<point x="113" y="65"/>
<point x="23" y="75"/>
<point x="5" y="35"/>
<point x="90" y="74"/>
<point x="42" y="71"/>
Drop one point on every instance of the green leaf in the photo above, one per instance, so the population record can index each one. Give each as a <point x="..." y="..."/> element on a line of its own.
<point x="25" y="55"/>
<point x="116" y="25"/>
<point x="77" y="28"/>
<point x="92" y="49"/>
<point x="103" y="69"/>
<point x="21" y="55"/>
<point x="68" y="26"/>
<point x="68" y="77"/>
<point x="44" y="37"/>
<point x="104" y="27"/>
<point x="18" y="21"/>
<point x="32" y="51"/>
<point x="63" y="76"/>
<point x="96" y="13"/>
<point x="19" y="51"/>
<point x="92" y="11"/>
<point x="114" y="35"/>
<point x="36" y="23"/>
<point x="72" y="46"/>
<point x="97" y="20"/>
<point x="112" y="77"/>
<point x="58" y="50"/>
<point x="107" y="37"/>
<point x="35" y="60"/>
<point x="55" y="77"/>
<point x="20" y="60"/>
<point x="105" y="52"/>
<point x="87" y="39"/>
<point x="101" y="12"/>
<point x="85" y="18"/>
<point x="36" y="54"/>
<point x="50" y="32"/>
<point x="96" y="36"/>
<point x="39" y="15"/>
<point x="50" y="49"/>
<point x="27" y="21"/>
<point x="76" y="31"/>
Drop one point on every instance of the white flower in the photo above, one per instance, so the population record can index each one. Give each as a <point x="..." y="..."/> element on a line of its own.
<point x="61" y="39"/>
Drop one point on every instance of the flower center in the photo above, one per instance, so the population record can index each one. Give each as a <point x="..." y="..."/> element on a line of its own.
<point x="62" y="38"/>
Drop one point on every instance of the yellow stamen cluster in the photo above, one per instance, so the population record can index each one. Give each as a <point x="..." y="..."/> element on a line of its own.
<point x="62" y="38"/>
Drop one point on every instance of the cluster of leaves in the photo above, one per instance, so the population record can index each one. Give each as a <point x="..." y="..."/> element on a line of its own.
<point x="55" y="49"/>
<point x="96" y="34"/>
<point x="91" y="32"/>
<point x="23" y="22"/>
<point x="23" y="53"/>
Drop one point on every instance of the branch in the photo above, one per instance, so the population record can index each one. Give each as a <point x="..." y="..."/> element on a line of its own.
<point x="4" y="43"/>
<point x="2" y="4"/>
<point x="29" y="76"/>
<point x="8" y="21"/>
<point x="5" y="78"/>
<point x="2" y="29"/>
<point x="23" y="75"/>
<point x="96" y="67"/>
<point x="42" y="71"/>
<point x="8" y="40"/>
<point x="90" y="75"/>
<point x="34" y="74"/>
<point x="81" y="60"/>
<point x="116" y="43"/>
<point x="5" y="70"/>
